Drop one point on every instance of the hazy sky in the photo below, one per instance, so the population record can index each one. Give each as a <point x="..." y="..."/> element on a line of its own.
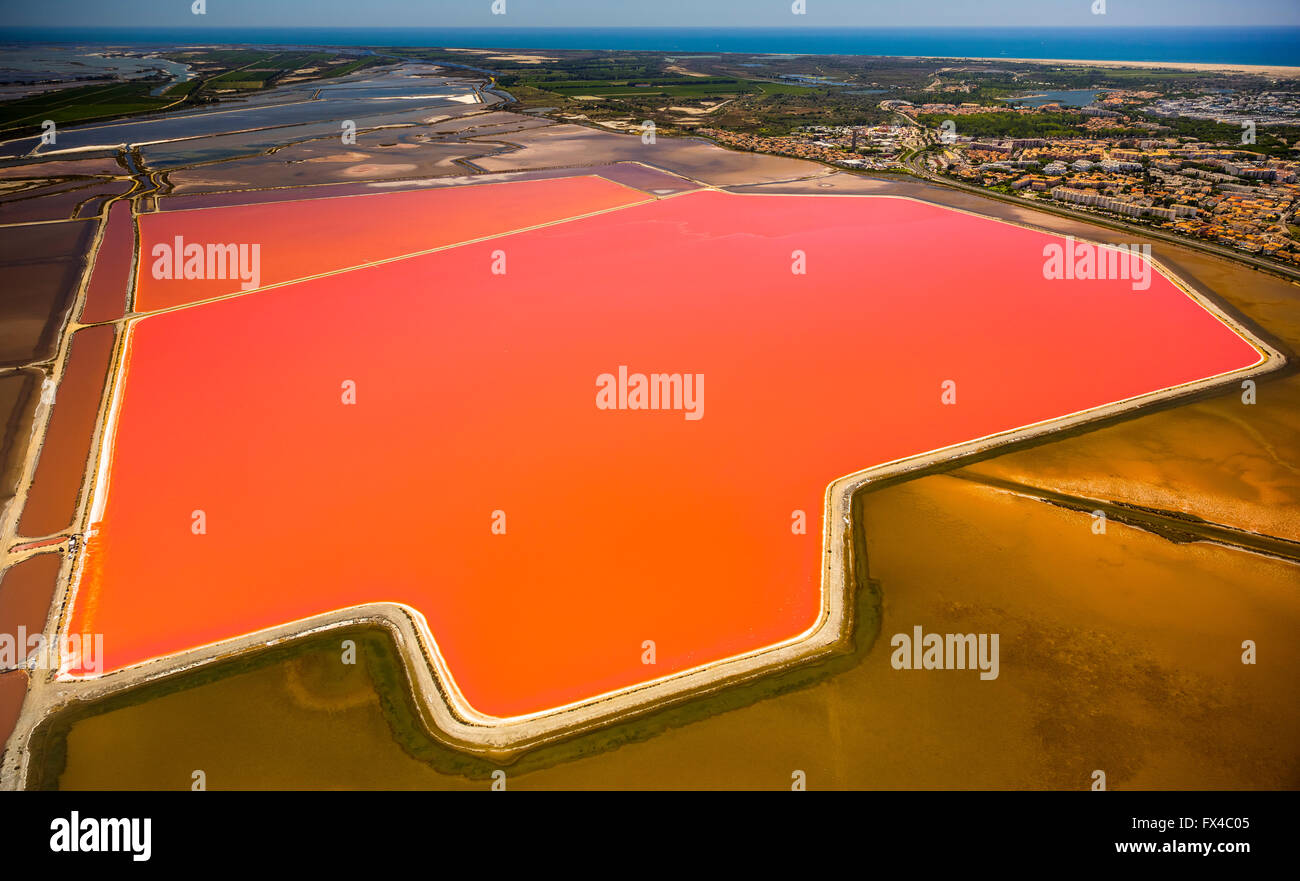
<point x="660" y="13"/>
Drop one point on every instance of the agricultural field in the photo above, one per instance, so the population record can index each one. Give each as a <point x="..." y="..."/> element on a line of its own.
<point x="80" y="104"/>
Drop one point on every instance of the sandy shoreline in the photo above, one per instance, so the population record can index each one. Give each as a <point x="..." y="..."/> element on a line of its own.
<point x="1257" y="69"/>
<point x="1272" y="70"/>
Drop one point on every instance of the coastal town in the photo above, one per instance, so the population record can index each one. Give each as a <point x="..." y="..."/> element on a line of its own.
<point x="1215" y="191"/>
<point x="868" y="148"/>
<point x="1210" y="191"/>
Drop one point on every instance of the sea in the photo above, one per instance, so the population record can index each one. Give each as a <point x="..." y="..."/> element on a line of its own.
<point x="1276" y="46"/>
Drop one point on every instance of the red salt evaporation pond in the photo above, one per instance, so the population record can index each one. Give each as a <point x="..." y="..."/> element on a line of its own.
<point x="111" y="276"/>
<point x="298" y="239"/>
<point x="66" y="449"/>
<point x="477" y="393"/>
<point x="26" y="591"/>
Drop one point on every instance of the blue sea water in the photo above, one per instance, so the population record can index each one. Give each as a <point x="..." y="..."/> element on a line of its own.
<point x="1235" y="45"/>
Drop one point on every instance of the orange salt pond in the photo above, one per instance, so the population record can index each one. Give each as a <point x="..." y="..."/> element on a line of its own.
<point x="477" y="480"/>
<point x="302" y="238"/>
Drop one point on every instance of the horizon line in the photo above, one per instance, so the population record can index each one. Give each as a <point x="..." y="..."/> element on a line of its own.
<point x="368" y="27"/>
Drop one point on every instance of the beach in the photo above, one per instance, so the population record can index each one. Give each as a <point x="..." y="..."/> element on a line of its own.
<point x="1279" y="72"/>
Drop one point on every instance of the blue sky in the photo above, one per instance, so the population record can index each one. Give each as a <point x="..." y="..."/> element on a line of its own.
<point x="653" y="13"/>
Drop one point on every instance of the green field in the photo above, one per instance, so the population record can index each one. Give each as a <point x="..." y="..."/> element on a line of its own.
<point x="243" y="79"/>
<point x="1044" y="124"/>
<point x="260" y="70"/>
<point x="180" y="90"/>
<point x="352" y="66"/>
<point x="80" y="103"/>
